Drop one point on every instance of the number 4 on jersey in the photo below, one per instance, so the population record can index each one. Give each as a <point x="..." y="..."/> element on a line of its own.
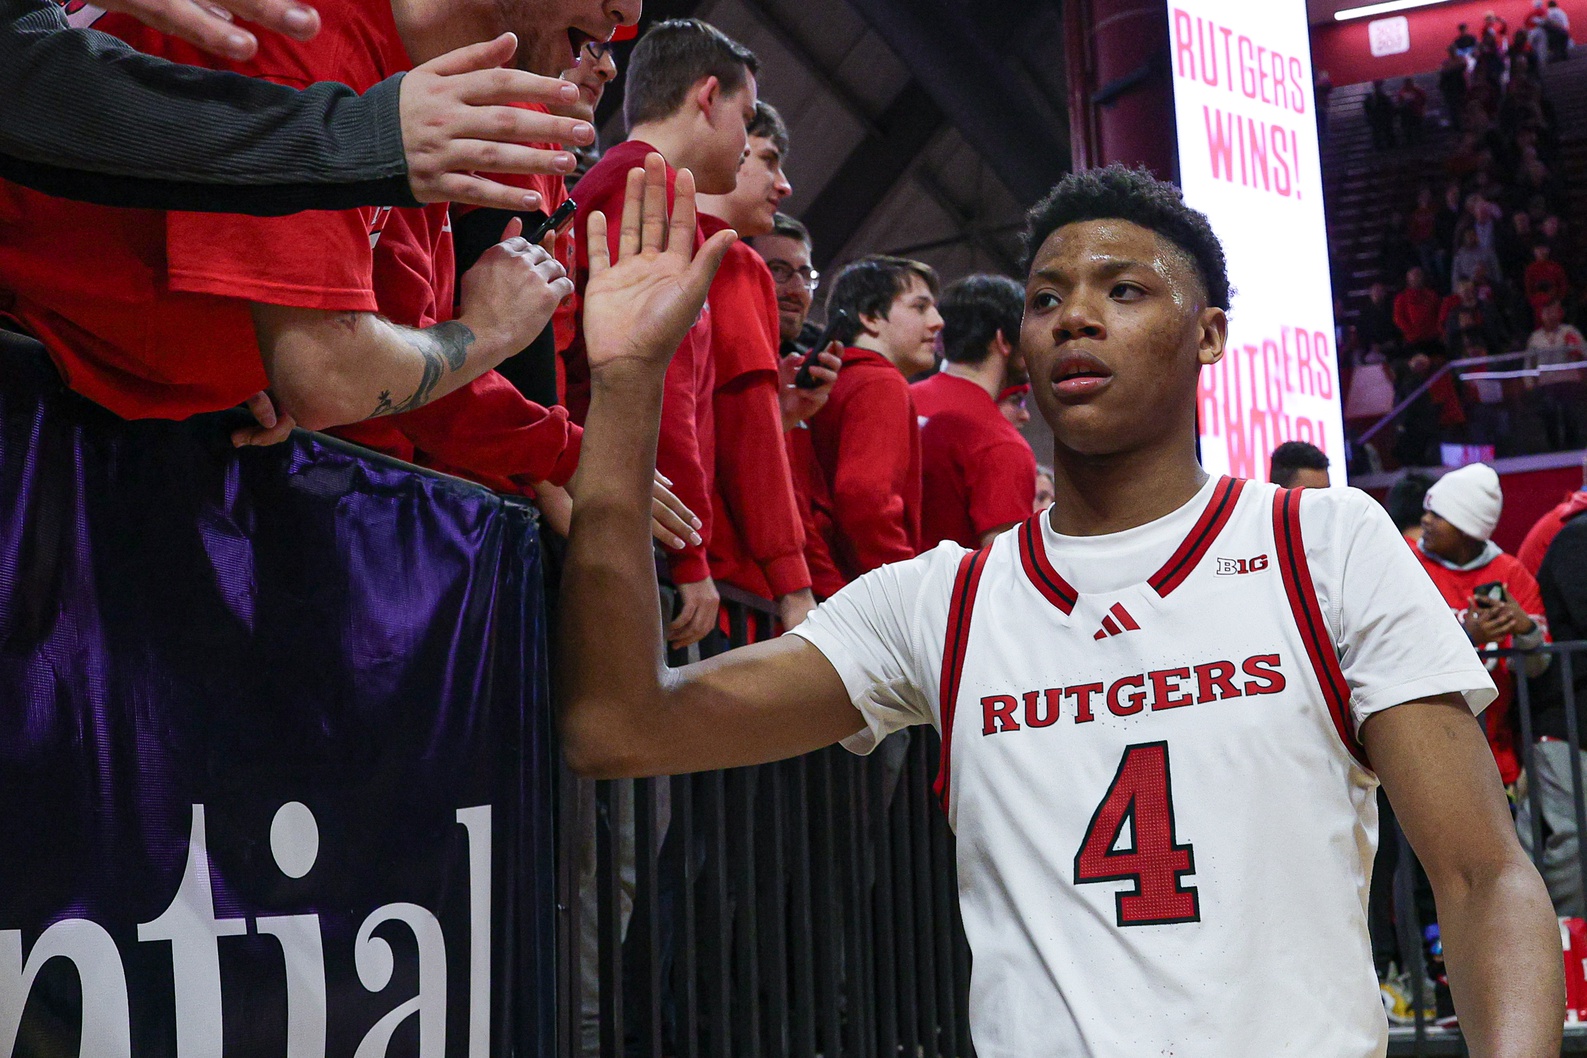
<point x="1141" y="795"/>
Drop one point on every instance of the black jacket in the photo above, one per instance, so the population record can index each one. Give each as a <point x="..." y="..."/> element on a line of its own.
<point x="86" y="117"/>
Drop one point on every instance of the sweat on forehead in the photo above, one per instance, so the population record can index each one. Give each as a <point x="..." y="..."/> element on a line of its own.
<point x="1113" y="241"/>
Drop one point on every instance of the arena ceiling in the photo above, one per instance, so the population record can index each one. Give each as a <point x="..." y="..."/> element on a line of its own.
<point x="919" y="127"/>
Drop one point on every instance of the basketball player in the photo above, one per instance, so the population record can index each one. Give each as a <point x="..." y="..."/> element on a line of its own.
<point x="1166" y="703"/>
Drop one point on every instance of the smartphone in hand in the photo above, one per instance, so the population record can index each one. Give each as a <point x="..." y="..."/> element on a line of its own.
<point x="837" y="324"/>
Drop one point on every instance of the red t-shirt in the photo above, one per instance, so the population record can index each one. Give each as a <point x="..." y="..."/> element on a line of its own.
<point x="686" y="449"/>
<point x="1456" y="586"/>
<point x="757" y="536"/>
<point x="145" y="312"/>
<point x="978" y="473"/>
<point x="866" y="447"/>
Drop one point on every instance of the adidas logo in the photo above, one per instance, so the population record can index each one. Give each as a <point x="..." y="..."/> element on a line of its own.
<point x="1112" y="627"/>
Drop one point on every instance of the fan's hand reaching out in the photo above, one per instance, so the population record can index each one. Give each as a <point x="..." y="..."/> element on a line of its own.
<point x="638" y="307"/>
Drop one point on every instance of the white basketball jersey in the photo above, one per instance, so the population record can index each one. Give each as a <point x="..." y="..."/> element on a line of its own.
<point x="1166" y="828"/>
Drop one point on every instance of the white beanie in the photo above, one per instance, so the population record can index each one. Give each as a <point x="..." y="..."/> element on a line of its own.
<point x="1468" y="499"/>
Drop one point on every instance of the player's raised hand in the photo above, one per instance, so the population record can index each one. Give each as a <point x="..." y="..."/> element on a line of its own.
<point x="638" y="307"/>
<point x="457" y="123"/>
<point x="208" y="25"/>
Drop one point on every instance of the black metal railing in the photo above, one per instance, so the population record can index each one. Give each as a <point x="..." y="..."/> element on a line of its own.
<point x="807" y="907"/>
<point x="1554" y="858"/>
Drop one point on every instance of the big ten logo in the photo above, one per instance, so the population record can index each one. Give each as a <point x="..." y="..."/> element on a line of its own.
<point x="189" y="924"/>
<point x="1234" y="567"/>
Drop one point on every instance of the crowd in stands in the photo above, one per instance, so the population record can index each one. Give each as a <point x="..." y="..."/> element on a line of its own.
<point x="1481" y="261"/>
<point x="468" y="338"/>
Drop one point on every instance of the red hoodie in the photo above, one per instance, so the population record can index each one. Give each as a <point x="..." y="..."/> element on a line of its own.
<point x="686" y="449"/>
<point x="757" y="537"/>
<point x="865" y="475"/>
<point x="1535" y="546"/>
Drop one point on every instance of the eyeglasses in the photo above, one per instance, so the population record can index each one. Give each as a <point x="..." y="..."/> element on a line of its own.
<point x="782" y="272"/>
<point x="598" y="49"/>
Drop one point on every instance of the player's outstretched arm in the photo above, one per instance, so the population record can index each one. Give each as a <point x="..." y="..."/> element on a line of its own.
<point x="1501" y="940"/>
<point x="623" y="712"/>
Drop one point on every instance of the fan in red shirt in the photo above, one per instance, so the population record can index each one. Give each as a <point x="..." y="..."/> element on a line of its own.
<point x="979" y="474"/>
<point x="757" y="537"/>
<point x="1494" y="597"/>
<point x="865" y="473"/>
<point x="690" y="96"/>
<point x="1535" y="546"/>
<point x="168" y="314"/>
<point x="1416" y="311"/>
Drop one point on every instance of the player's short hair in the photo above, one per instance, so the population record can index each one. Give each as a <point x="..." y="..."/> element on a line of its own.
<point x="1405" y="497"/>
<point x="1293" y="456"/>
<point x="977" y="309"/>
<point x="868" y="286"/>
<point x="1119" y="193"/>
<point x="790" y="228"/>
<point x="672" y="58"/>
<point x="768" y="124"/>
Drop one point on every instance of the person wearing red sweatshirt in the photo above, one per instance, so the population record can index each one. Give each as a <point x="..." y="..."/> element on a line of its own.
<point x="690" y="96"/>
<point x="1416" y="312"/>
<point x="1492" y="595"/>
<point x="979" y="473"/>
<point x="1535" y="546"/>
<point x="757" y="537"/>
<point x="865" y="443"/>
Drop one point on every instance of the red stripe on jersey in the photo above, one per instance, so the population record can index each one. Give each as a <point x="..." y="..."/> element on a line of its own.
<point x="1039" y="568"/>
<point x="1199" y="540"/>
<point x="1118" y="610"/>
<point x="960" y="605"/>
<point x="1309" y="618"/>
<point x="1109" y="627"/>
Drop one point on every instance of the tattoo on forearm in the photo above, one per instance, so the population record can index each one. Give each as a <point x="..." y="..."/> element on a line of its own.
<point x="444" y="349"/>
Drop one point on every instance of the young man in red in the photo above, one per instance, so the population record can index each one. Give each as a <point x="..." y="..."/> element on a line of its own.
<point x="169" y="314"/>
<point x="1535" y="546"/>
<point x="757" y="537"/>
<point x="865" y="444"/>
<point x="1416" y="313"/>
<point x="979" y="474"/>
<point x="689" y="96"/>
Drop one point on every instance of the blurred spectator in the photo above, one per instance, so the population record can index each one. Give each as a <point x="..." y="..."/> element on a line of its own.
<point x="1542" y="534"/>
<point x="1558" y="393"/>
<point x="978" y="473"/>
<point x="1493" y="596"/>
<point x="1416" y="313"/>
<point x="1515" y="244"/>
<point x="1376" y="321"/>
<point x="1462" y="311"/>
<point x="1465" y="45"/>
<point x="1298" y="465"/>
<point x="690" y="96"/>
<point x="1411" y="103"/>
<point x="1045" y="490"/>
<point x="1011" y="402"/>
<point x="1532" y="27"/>
<point x="1404" y="503"/>
<point x="1422" y="232"/>
<point x="1557" y="27"/>
<point x="865" y="444"/>
<point x="1452" y="86"/>
<point x="1562" y="582"/>
<point x="1545" y="277"/>
<point x="1470" y="257"/>
<point x="1381" y="118"/>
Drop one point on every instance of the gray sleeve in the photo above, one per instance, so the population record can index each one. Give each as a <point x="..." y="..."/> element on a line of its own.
<point x="88" y="117"/>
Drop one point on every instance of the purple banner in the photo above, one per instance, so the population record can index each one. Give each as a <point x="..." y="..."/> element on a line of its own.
<point x="274" y="748"/>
